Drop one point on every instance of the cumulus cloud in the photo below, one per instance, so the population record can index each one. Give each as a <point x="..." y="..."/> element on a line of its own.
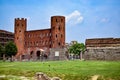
<point x="74" y="18"/>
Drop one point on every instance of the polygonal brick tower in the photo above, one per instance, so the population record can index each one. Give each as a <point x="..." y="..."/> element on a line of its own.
<point x="58" y="31"/>
<point x="20" y="28"/>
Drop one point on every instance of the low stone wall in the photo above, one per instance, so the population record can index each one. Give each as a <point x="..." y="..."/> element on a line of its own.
<point x="102" y="53"/>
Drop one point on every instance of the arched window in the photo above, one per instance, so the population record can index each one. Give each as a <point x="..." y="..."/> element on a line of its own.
<point x="59" y="43"/>
<point x="19" y="30"/>
<point x="56" y="20"/>
<point x="56" y="35"/>
<point x="18" y="24"/>
<point x="17" y="38"/>
<point x="61" y="35"/>
<point x="59" y="28"/>
<point x="22" y="25"/>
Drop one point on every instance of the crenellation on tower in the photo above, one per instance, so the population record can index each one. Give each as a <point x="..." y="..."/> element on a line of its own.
<point x="20" y="19"/>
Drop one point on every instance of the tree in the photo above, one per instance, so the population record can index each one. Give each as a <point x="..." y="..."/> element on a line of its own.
<point x="2" y="51"/>
<point x="77" y="48"/>
<point x="10" y="49"/>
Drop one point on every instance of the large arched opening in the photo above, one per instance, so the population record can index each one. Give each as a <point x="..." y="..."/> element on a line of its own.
<point x="38" y="55"/>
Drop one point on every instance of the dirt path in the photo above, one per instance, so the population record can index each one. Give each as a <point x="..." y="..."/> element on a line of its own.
<point x="95" y="77"/>
<point x="12" y="77"/>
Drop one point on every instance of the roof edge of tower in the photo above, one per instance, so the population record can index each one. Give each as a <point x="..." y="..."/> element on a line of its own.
<point x="57" y="16"/>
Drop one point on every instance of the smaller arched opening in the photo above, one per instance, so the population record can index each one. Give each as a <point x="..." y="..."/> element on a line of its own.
<point x="23" y="57"/>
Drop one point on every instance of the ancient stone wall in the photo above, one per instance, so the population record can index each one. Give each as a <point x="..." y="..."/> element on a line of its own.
<point x="105" y="53"/>
<point x="102" y="49"/>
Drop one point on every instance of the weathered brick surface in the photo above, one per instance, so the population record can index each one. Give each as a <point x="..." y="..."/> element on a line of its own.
<point x="20" y="28"/>
<point x="58" y="31"/>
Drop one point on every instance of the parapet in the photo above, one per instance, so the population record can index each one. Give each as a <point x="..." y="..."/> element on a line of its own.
<point x="20" y="18"/>
<point x="58" y="16"/>
<point x="102" y="42"/>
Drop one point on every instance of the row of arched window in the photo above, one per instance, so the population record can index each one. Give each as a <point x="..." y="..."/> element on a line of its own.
<point x="41" y="35"/>
<point x="38" y="43"/>
<point x="59" y="20"/>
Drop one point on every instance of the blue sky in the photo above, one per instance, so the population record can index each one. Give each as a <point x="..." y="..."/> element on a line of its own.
<point x="84" y="18"/>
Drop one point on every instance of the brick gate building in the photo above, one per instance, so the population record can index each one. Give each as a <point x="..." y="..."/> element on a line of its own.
<point x="31" y="44"/>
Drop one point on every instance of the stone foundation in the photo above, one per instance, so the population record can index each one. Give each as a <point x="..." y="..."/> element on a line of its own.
<point x="102" y="53"/>
<point x="57" y="54"/>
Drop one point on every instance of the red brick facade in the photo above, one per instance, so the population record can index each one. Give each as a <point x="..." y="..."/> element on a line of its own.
<point x="33" y="42"/>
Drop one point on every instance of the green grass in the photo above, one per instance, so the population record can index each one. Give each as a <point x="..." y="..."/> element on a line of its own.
<point x="66" y="70"/>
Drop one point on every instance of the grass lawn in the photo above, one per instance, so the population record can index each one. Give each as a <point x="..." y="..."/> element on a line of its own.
<point x="66" y="70"/>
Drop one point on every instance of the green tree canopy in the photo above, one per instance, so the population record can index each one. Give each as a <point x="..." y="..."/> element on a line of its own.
<point x="77" y="48"/>
<point x="10" y="49"/>
<point x="1" y="50"/>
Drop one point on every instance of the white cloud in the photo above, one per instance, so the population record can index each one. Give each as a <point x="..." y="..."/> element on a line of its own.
<point x="74" y="18"/>
<point x="104" y="20"/>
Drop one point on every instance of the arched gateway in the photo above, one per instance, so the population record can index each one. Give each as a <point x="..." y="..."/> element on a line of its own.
<point x="38" y="54"/>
